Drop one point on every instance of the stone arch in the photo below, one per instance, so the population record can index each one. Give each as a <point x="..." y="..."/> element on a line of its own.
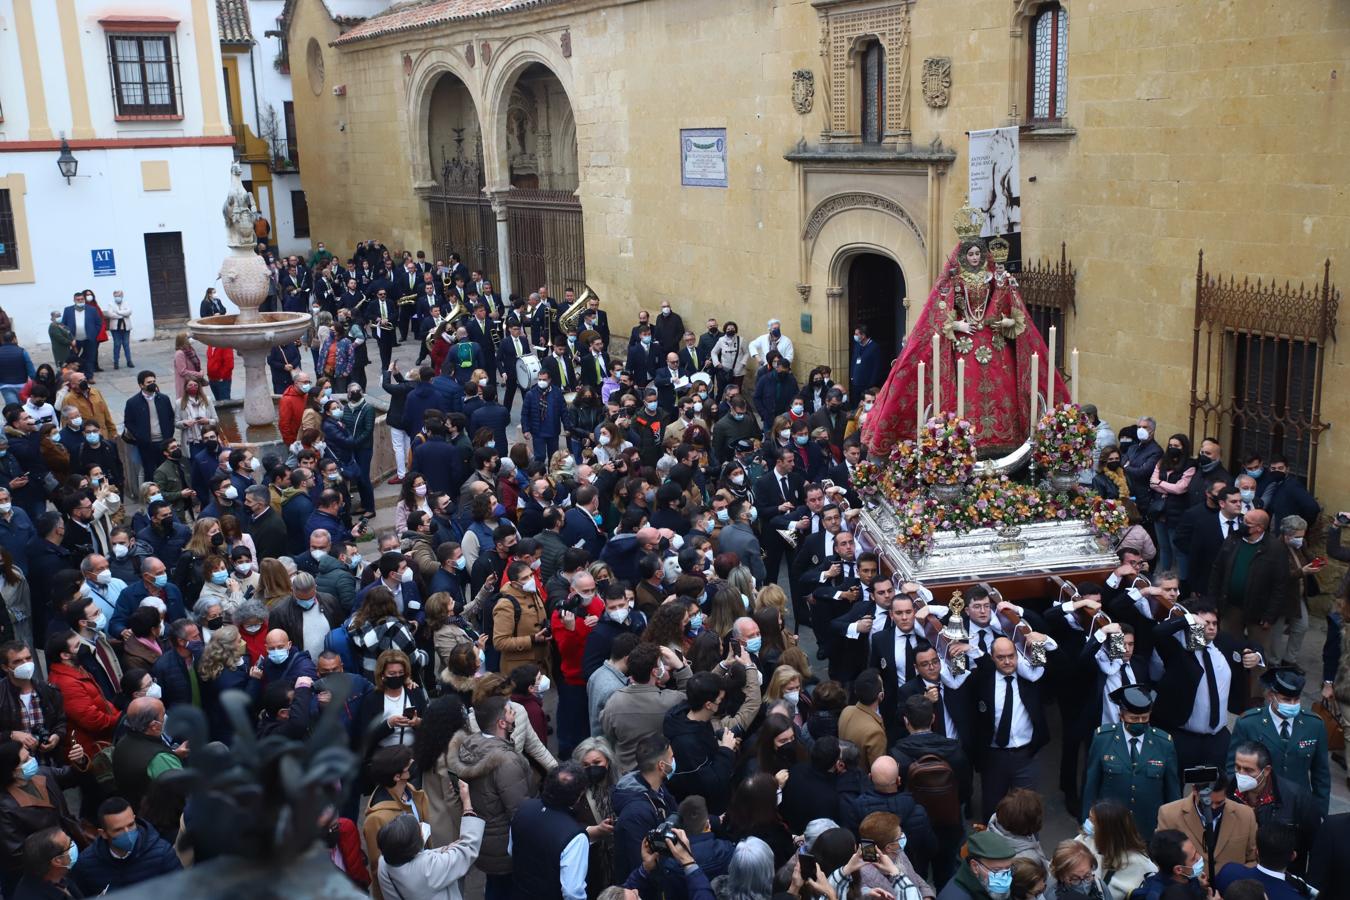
<point x="509" y="61"/>
<point x="426" y="77"/>
<point x="840" y="228"/>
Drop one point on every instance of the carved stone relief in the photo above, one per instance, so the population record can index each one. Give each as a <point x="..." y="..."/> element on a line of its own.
<point x="937" y="81"/>
<point x="832" y="206"/>
<point x="803" y="90"/>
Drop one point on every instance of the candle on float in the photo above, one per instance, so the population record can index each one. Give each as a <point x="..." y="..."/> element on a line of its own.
<point x="919" y="420"/>
<point x="1035" y="387"/>
<point x="1050" y="371"/>
<point x="961" y="388"/>
<point x="937" y="376"/>
<point x="1073" y="374"/>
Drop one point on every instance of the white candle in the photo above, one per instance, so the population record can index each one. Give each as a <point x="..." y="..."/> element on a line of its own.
<point x="1073" y="374"/>
<point x="918" y="423"/>
<point x="961" y="388"/>
<point x="1035" y="385"/>
<point x="937" y="376"/>
<point x="1050" y="371"/>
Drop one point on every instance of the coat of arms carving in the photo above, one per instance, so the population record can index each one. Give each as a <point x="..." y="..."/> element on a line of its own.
<point x="937" y="81"/>
<point x="803" y="90"/>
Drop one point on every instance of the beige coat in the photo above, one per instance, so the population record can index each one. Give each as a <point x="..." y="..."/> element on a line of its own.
<point x="862" y="725"/>
<point x="1237" y="830"/>
<point x="514" y="640"/>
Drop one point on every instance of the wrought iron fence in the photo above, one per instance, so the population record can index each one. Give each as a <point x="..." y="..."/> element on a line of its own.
<point x="1049" y="291"/>
<point x="1257" y="363"/>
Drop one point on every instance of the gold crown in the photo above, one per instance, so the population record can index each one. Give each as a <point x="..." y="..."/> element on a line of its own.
<point x="968" y="221"/>
<point x="999" y="249"/>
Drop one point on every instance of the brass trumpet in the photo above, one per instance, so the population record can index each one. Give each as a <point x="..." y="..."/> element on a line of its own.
<point x="571" y="317"/>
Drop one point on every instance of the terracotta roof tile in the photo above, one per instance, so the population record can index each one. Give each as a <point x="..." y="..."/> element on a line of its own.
<point x="234" y="22"/>
<point x="427" y="13"/>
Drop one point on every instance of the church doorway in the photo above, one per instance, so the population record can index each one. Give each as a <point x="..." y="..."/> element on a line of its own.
<point x="876" y="289"/>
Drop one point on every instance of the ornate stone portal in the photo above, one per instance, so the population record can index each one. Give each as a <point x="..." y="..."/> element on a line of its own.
<point x="253" y="334"/>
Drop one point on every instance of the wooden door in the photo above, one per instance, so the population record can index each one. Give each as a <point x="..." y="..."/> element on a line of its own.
<point x="168" y="276"/>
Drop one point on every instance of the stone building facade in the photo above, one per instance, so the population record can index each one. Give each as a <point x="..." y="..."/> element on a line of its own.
<point x="1150" y="131"/>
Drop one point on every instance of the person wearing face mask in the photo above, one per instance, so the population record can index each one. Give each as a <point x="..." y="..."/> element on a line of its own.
<point x="541" y="417"/>
<point x="647" y="430"/>
<point x="1181" y="868"/>
<point x="307" y="616"/>
<point x="739" y="423"/>
<point x="1133" y="762"/>
<point x="1278" y="802"/>
<point x="32" y="712"/>
<point x="1296" y="739"/>
<point x="776" y="389"/>
<point x="986" y="872"/>
<point x="1141" y="458"/>
<point x="1250" y="580"/>
<point x="520" y="628"/>
<point x="1221" y="832"/>
<point x="176" y="669"/>
<point x="128" y="851"/>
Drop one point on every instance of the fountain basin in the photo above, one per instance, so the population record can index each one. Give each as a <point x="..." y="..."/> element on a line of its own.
<point x="264" y="332"/>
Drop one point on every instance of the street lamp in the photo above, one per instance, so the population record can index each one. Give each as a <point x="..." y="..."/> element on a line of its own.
<point x="67" y="162"/>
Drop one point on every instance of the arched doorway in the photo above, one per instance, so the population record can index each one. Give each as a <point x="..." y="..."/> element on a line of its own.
<point x="462" y="220"/>
<point x="538" y="148"/>
<point x="876" y="290"/>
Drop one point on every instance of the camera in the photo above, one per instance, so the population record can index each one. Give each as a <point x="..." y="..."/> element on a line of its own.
<point x="41" y="735"/>
<point x="574" y="605"/>
<point x="665" y="831"/>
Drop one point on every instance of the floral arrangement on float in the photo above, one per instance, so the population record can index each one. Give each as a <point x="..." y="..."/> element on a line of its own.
<point x="929" y="486"/>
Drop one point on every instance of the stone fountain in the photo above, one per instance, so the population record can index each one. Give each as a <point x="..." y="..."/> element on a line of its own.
<point x="250" y="333"/>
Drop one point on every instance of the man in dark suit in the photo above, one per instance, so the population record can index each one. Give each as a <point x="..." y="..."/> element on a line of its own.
<point x="381" y="316"/>
<point x="1330" y="864"/>
<point x="945" y="690"/>
<point x="1199" y="686"/>
<point x="669" y="382"/>
<point x="644" y="356"/>
<point x="886" y="624"/>
<point x="458" y="271"/>
<point x="593" y="317"/>
<point x="514" y="346"/>
<point x="1069" y="622"/>
<point x="1010" y="722"/>
<point x="778" y="490"/>
<point x="579" y="525"/>
<point x="1203" y="529"/>
<point x="1275" y="849"/>
<point x="149" y="418"/>
<point x="864" y="368"/>
<point x="832" y="417"/>
<point x="738" y="536"/>
<point x="84" y="323"/>
<point x="561" y="371"/>
<point x="838" y="589"/>
<point x="594" y="365"/>
<point x="692" y="359"/>
<point x="1106" y="673"/>
<point x="480" y="332"/>
<point x="1250" y="579"/>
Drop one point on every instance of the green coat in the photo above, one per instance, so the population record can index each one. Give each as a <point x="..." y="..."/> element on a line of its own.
<point x="1302" y="759"/>
<point x="1154" y="779"/>
<point x="60" y="337"/>
<point x="172" y="487"/>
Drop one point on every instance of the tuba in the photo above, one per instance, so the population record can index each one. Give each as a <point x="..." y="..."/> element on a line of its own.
<point x="571" y="317"/>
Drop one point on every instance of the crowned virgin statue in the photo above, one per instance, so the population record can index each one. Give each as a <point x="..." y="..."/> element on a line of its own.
<point x="976" y="309"/>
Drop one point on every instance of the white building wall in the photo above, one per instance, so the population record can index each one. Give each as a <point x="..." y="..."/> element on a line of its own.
<point x="12" y="101"/>
<point x="105" y="207"/>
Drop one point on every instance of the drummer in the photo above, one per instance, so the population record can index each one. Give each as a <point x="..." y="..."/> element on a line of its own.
<point x="514" y="359"/>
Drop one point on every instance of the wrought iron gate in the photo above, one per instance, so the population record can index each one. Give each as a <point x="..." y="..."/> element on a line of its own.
<point x="547" y="245"/>
<point x="1049" y="291"/>
<point x="1256" y="367"/>
<point x="465" y="224"/>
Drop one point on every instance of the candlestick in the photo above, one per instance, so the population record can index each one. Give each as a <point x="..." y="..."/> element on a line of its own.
<point x="937" y="376"/>
<point x="1035" y="384"/>
<point x="961" y="388"/>
<point x="1073" y="374"/>
<point x="918" y="425"/>
<point x="1050" y="371"/>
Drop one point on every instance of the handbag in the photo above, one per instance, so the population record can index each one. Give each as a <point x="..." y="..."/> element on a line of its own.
<point x="1328" y="711"/>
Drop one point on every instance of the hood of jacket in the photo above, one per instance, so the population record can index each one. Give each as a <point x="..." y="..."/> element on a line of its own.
<point x="632" y="789"/>
<point x="1023" y="845"/>
<point x="477" y="755"/>
<point x="680" y="729"/>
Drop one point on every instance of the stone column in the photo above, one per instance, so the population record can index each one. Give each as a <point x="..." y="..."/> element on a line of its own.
<point x="498" y="199"/>
<point x="258" y="408"/>
<point x="836" y="319"/>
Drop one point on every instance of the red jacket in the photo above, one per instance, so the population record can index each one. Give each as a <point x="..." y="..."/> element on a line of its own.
<point x="348" y="850"/>
<point x="572" y="643"/>
<point x="89" y="714"/>
<point x="292" y="407"/>
<point x="219" y="363"/>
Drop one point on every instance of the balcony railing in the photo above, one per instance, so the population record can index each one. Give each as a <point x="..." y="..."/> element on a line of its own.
<point x="285" y="156"/>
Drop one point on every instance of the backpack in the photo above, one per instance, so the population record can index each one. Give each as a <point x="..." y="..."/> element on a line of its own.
<point x="932" y="783"/>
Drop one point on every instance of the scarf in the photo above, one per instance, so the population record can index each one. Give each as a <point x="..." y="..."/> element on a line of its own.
<point x="191" y="355"/>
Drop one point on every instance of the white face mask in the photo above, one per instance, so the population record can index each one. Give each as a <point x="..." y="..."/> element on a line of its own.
<point x="1245" y="783"/>
<point x="1141" y="433"/>
<point x="785" y="434"/>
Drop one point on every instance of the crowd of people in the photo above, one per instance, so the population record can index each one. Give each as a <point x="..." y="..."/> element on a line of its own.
<point x="627" y="638"/>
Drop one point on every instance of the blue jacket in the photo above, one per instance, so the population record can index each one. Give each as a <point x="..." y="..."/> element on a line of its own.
<point x="167" y="547"/>
<point x="205" y="464"/>
<point x="579" y="526"/>
<point x="15" y="535"/>
<point x="422" y="398"/>
<point x="864" y="369"/>
<point x="637" y="810"/>
<point x="93" y="324"/>
<point x="236" y="679"/>
<point x="449" y="394"/>
<point x="172" y="674"/>
<point x="494" y="416"/>
<point x="542" y="416"/>
<point x="444" y="464"/>
<point x="336" y="530"/>
<point x="297" y="663"/>
<point x="131" y="598"/>
<point x="773" y="395"/>
<point x="136" y="418"/>
<point x="98" y="869"/>
<point x="621" y="554"/>
<point x="26" y="451"/>
<point x="338" y="440"/>
<point x="296" y="512"/>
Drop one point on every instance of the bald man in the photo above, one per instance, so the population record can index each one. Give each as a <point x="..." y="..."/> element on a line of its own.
<point x="282" y="662"/>
<point x="885" y="795"/>
<point x="1250" y="579"/>
<point x="142" y="755"/>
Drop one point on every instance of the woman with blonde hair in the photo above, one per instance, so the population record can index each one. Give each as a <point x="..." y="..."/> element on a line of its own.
<point x="723" y="611"/>
<point x="207" y="539"/>
<point x="796" y="658"/>
<point x="526" y="741"/>
<point x="1074" y="870"/>
<point x="743" y="582"/>
<point x="447" y="632"/>
<point x="786" y="684"/>
<point x="195" y="412"/>
<point x="219" y="585"/>
<point x="224" y="666"/>
<point x="186" y="364"/>
<point x="770" y="595"/>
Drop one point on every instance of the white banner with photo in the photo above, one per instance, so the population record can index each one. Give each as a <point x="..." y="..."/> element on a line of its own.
<point x="996" y="186"/>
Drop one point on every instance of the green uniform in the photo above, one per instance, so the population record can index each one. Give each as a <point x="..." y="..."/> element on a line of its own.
<point x="1302" y="758"/>
<point x="1143" y="785"/>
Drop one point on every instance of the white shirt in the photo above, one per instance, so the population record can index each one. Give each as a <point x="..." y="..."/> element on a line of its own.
<point x="1199" y="720"/>
<point x="394" y="706"/>
<point x="878" y="615"/>
<point x="1022" y="731"/>
<point x="1114" y="670"/>
<point x="759" y="348"/>
<point x="316" y="628"/>
<point x="1224" y="526"/>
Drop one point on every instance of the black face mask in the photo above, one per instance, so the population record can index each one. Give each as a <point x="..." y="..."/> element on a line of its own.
<point x="217" y="540"/>
<point x="215" y="622"/>
<point x="1113" y="465"/>
<point x="596" y="774"/>
<point x="392" y="682"/>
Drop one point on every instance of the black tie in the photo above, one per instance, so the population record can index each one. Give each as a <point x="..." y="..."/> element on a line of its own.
<point x="1125" y="675"/>
<point x="984" y="642"/>
<point x="1003" y="736"/>
<point x="784" y="482"/>
<point x="1232" y="526"/>
<point x="1213" y="684"/>
<point x="939" y="721"/>
<point x="909" y="656"/>
<point x="1134" y="751"/>
<point x="1284" y="730"/>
